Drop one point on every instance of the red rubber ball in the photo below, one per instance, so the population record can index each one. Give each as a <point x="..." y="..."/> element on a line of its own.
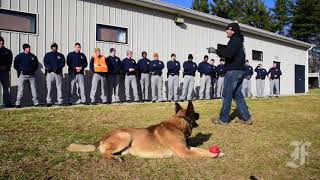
<point x="214" y="149"/>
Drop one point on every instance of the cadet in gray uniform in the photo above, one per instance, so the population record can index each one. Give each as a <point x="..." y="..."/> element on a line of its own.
<point x="220" y="74"/>
<point x="260" y="83"/>
<point x="98" y="66"/>
<point x="5" y="68"/>
<point x="274" y="77"/>
<point x="26" y="65"/>
<point x="130" y="68"/>
<point x="77" y="62"/>
<point x="189" y="71"/>
<point x="156" y="67"/>
<point x="54" y="63"/>
<point x="173" y="78"/>
<point x="246" y="83"/>
<point x="205" y="70"/>
<point x="144" y="70"/>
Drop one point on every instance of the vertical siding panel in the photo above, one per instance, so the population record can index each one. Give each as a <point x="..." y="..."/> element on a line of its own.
<point x="125" y="21"/>
<point x="57" y="21"/>
<point x="106" y="20"/>
<point x="23" y="5"/>
<point x="41" y="39"/>
<point x="92" y="29"/>
<point x="49" y="23"/>
<point x="134" y="34"/>
<point x="86" y="29"/>
<point x="118" y="14"/>
<point x="99" y="19"/>
<point x="72" y="23"/>
<point x="15" y="48"/>
<point x="64" y="44"/>
<point x="33" y="8"/>
<point x="15" y="5"/>
<point x="79" y="22"/>
<point x="5" y="4"/>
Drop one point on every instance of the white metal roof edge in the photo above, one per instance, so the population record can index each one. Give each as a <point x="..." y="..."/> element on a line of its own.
<point x="185" y="12"/>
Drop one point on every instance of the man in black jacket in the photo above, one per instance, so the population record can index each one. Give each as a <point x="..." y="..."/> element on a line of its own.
<point x="234" y="55"/>
<point x="26" y="65"/>
<point x="5" y="68"/>
<point x="54" y="63"/>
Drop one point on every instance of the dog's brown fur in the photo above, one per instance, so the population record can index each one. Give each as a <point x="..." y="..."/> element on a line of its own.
<point x="162" y="140"/>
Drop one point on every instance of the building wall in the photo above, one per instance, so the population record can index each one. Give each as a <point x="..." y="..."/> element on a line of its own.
<point x="68" y="21"/>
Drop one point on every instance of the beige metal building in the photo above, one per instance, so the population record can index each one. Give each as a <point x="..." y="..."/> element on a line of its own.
<point x="141" y="25"/>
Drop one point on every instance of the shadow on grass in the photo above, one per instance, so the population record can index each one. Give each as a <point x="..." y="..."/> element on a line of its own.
<point x="198" y="140"/>
<point x="234" y="114"/>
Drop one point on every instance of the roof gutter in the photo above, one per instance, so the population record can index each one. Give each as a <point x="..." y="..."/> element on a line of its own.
<point x="166" y="7"/>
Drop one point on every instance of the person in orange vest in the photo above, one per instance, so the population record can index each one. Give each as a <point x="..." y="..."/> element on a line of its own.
<point x="99" y="68"/>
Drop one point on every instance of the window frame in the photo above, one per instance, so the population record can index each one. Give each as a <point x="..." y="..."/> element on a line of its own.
<point x="258" y="52"/>
<point x="112" y="26"/>
<point x="23" y="13"/>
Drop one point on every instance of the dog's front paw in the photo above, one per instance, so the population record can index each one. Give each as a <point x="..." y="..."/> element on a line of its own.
<point x="118" y="158"/>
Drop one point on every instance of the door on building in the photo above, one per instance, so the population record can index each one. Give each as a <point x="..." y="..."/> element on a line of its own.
<point x="299" y="79"/>
<point x="274" y="89"/>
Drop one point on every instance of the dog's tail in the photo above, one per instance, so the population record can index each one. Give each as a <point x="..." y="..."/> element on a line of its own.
<point x="81" y="148"/>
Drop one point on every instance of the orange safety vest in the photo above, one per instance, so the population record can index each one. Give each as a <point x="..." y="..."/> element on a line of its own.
<point x="99" y="64"/>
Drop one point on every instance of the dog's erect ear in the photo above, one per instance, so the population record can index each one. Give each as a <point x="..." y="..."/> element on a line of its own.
<point x="178" y="107"/>
<point x="190" y="108"/>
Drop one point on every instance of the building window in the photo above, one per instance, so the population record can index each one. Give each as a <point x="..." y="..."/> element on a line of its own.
<point x="112" y="34"/>
<point x="257" y="55"/>
<point x="18" y="21"/>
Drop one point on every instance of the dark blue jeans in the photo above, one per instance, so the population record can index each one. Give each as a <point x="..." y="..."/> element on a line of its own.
<point x="232" y="90"/>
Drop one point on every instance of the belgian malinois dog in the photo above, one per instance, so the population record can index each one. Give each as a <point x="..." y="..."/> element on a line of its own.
<point x="163" y="140"/>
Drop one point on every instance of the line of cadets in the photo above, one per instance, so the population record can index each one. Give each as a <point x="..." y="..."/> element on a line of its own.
<point x="108" y="72"/>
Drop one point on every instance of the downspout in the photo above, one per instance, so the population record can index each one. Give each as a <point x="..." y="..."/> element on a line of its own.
<point x="307" y="71"/>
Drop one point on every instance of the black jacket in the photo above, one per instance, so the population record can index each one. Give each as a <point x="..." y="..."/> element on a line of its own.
<point x="234" y="53"/>
<point x="6" y="58"/>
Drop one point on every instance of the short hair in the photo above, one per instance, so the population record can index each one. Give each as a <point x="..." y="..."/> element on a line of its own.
<point x="212" y="59"/>
<point x="143" y="52"/>
<point x="112" y="49"/>
<point x="54" y="45"/>
<point x="77" y="44"/>
<point x="97" y="50"/>
<point x="25" y="46"/>
<point x="155" y="55"/>
<point x="247" y="60"/>
<point x="1" y="39"/>
<point x="173" y="55"/>
<point x="222" y="59"/>
<point x="190" y="56"/>
<point x="129" y="52"/>
<point x="206" y="56"/>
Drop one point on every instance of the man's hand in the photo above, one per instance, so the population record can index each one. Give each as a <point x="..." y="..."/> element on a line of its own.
<point x="212" y="50"/>
<point x="131" y="69"/>
<point x="78" y="69"/>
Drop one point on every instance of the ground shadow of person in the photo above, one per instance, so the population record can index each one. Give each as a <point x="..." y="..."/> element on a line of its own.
<point x="234" y="114"/>
<point x="198" y="139"/>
